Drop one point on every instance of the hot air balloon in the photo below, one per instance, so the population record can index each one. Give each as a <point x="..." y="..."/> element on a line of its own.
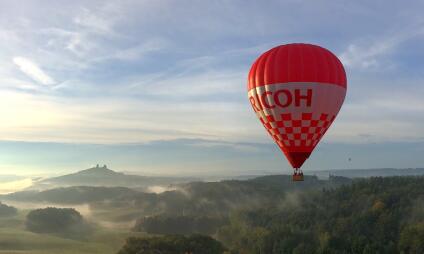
<point x="296" y="91"/>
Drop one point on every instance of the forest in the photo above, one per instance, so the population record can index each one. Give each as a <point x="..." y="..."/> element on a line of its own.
<point x="374" y="215"/>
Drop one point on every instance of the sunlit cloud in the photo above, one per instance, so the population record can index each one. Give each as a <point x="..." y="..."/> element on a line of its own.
<point x="13" y="186"/>
<point x="32" y="70"/>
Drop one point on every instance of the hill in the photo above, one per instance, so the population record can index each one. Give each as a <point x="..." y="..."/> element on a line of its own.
<point x="103" y="176"/>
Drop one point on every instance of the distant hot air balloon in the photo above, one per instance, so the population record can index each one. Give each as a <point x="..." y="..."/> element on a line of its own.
<point x="296" y="91"/>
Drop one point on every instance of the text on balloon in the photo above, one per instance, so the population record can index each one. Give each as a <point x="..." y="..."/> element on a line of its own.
<point x="281" y="98"/>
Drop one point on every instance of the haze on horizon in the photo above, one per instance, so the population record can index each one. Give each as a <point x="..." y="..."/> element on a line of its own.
<point x="112" y="82"/>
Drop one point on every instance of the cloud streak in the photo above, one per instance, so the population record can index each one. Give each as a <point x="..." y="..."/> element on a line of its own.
<point x="368" y="53"/>
<point x="32" y="70"/>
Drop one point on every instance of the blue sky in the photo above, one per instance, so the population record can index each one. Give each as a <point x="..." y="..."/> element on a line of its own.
<point x="159" y="87"/>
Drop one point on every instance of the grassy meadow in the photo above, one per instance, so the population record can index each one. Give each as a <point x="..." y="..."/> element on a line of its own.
<point x="104" y="238"/>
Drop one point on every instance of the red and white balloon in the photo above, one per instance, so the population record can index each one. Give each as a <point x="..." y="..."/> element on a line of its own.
<point x="296" y="91"/>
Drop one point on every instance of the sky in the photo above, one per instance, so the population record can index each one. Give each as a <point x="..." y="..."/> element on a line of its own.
<point x="159" y="87"/>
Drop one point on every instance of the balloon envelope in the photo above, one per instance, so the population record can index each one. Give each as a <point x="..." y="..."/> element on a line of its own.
<point x="296" y="91"/>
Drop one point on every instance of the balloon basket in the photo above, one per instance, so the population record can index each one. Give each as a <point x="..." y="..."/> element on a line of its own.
<point x="298" y="178"/>
<point x="297" y="175"/>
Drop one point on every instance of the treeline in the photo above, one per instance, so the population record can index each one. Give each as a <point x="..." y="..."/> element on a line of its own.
<point x="218" y="199"/>
<point x="207" y="198"/>
<point x="72" y="195"/>
<point x="65" y="222"/>
<point x="182" y="225"/>
<point x="195" y="244"/>
<point x="6" y="210"/>
<point x="376" y="215"/>
<point x="204" y="207"/>
<point x="62" y="221"/>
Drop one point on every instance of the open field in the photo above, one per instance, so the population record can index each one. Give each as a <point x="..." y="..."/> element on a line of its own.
<point x="14" y="238"/>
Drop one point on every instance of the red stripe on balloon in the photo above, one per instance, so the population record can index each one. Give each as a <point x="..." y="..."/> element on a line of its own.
<point x="297" y="62"/>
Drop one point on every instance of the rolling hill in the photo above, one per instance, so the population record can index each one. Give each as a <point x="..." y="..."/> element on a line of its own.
<point x="103" y="176"/>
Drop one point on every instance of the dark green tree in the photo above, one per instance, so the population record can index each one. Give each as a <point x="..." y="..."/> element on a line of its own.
<point x="55" y="220"/>
<point x="6" y="210"/>
<point x="172" y="244"/>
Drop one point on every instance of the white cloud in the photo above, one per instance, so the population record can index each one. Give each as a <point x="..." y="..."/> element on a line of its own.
<point x="114" y="120"/>
<point x="356" y="56"/>
<point x="17" y="84"/>
<point x="94" y="22"/>
<point x="33" y="71"/>
<point x="376" y="118"/>
<point x="368" y="53"/>
<point x="134" y="53"/>
<point x="208" y="83"/>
